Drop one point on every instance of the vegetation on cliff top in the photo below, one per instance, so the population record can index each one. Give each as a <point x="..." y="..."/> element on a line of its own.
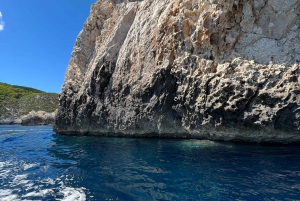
<point x="19" y="100"/>
<point x="15" y="92"/>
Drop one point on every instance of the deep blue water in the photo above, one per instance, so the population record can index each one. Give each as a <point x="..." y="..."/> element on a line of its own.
<point x="37" y="164"/>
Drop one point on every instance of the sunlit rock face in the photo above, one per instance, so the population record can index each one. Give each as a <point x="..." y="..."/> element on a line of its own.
<point x="223" y="70"/>
<point x="38" y="118"/>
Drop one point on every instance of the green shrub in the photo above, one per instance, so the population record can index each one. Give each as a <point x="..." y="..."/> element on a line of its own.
<point x="19" y="100"/>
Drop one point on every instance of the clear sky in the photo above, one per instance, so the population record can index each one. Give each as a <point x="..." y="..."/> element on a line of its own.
<point x="36" y="40"/>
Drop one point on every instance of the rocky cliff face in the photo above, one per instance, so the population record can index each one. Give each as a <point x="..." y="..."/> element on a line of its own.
<point x="38" y="118"/>
<point x="223" y="70"/>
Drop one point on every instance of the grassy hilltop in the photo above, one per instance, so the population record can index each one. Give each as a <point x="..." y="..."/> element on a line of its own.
<point x="18" y="100"/>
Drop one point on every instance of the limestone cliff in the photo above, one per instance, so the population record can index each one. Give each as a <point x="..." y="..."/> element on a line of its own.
<point x="223" y="70"/>
<point x="38" y="118"/>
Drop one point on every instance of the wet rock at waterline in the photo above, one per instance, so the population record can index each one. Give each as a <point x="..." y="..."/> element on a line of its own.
<point x="223" y="70"/>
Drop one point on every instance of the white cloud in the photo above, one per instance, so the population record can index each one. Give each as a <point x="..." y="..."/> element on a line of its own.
<point x="1" y="22"/>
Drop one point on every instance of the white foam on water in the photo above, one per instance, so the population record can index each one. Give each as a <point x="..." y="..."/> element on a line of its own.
<point x="29" y="186"/>
<point x="30" y="200"/>
<point x="4" y="173"/>
<point x="28" y="166"/>
<point x="48" y="181"/>
<point x="73" y="194"/>
<point x="10" y="198"/>
<point x="33" y="194"/>
<point x="2" y="164"/>
<point x="20" y="179"/>
<point x="41" y="193"/>
<point x="34" y="189"/>
<point x="7" y="195"/>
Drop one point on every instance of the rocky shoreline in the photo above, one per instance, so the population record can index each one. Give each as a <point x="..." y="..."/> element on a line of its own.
<point x="226" y="70"/>
<point x="10" y="120"/>
<point x="38" y="118"/>
<point x="32" y="119"/>
<point x="21" y="105"/>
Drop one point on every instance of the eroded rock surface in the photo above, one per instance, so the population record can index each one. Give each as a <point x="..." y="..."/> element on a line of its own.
<point x="223" y="70"/>
<point x="10" y="120"/>
<point x="38" y="118"/>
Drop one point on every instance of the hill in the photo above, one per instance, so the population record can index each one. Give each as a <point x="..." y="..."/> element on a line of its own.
<point x="16" y="101"/>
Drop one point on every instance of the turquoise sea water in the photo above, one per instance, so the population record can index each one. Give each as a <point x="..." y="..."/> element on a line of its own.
<point x="37" y="164"/>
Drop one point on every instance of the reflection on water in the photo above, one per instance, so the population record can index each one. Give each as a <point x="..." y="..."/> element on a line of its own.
<point x="36" y="163"/>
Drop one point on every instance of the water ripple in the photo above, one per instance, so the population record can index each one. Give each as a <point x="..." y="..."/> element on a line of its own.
<point x="37" y="164"/>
